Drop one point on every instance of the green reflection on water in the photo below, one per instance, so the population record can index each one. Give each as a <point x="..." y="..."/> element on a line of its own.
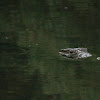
<point x="31" y="68"/>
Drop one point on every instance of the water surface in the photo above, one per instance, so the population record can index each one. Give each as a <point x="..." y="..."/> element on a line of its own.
<point x="30" y="39"/>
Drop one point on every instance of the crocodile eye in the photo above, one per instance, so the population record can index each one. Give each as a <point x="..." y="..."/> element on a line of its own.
<point x="63" y="51"/>
<point x="71" y="51"/>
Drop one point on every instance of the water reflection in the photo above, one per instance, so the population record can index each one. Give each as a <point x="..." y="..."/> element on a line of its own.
<point x="39" y="72"/>
<point x="31" y="68"/>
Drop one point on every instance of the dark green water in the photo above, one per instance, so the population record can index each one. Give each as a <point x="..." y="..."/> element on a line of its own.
<point x="32" y="33"/>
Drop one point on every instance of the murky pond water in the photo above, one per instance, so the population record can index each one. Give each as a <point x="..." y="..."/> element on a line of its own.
<point x="31" y="68"/>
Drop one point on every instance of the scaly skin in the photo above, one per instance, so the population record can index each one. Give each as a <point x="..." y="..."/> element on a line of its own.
<point x="75" y="53"/>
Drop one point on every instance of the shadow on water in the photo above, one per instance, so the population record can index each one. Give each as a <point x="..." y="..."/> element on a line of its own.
<point x="14" y="84"/>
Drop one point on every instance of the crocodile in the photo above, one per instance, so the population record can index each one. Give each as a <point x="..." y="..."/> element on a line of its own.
<point x="75" y="53"/>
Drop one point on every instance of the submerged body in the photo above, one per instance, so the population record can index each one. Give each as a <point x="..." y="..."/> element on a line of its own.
<point x="75" y="53"/>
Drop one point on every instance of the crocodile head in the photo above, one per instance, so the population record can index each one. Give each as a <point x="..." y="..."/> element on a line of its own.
<point x="75" y="53"/>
